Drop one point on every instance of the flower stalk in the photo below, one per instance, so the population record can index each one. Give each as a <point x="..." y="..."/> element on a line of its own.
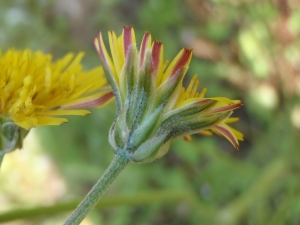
<point x="117" y="165"/>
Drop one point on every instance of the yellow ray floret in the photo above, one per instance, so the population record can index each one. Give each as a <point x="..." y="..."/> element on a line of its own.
<point x="33" y="88"/>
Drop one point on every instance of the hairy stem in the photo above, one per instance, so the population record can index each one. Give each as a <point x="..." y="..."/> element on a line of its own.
<point x="91" y="199"/>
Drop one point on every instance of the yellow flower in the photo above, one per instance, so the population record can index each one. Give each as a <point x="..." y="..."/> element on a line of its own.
<point x="34" y="90"/>
<point x="152" y="105"/>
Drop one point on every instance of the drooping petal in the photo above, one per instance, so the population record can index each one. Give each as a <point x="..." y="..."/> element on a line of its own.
<point x="227" y="132"/>
<point x="237" y="134"/>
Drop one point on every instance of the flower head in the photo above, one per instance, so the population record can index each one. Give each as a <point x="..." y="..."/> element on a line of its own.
<point x="153" y="107"/>
<point x="34" y="90"/>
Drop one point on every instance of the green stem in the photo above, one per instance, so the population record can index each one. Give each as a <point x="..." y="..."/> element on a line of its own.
<point x="91" y="199"/>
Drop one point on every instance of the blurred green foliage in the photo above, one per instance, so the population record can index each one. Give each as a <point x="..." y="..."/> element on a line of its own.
<point x="248" y="50"/>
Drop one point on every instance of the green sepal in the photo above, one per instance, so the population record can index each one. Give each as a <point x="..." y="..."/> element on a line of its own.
<point x="111" y="137"/>
<point x="161" y="151"/>
<point x="146" y="128"/>
<point x="139" y="100"/>
<point x="188" y="110"/>
<point x="137" y="105"/>
<point x="148" y="149"/>
<point x="120" y="131"/>
<point x="192" y="124"/>
<point x="146" y="80"/>
<point x="129" y="73"/>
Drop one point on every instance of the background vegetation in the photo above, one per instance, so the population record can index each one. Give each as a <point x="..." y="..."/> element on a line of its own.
<point x="243" y="49"/>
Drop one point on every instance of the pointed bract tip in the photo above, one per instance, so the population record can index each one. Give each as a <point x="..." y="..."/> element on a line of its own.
<point x="96" y="44"/>
<point x="157" y="42"/>
<point x="227" y="108"/>
<point x="188" y="49"/>
<point x="156" y="56"/>
<point x="156" y="48"/>
<point x="182" y="61"/>
<point x="128" y="27"/>
<point x="128" y="38"/>
<point x="146" y="44"/>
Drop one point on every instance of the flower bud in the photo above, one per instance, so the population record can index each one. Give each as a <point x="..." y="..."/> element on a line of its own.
<point x="153" y="107"/>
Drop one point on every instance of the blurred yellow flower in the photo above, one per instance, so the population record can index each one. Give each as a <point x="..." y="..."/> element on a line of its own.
<point x="34" y="90"/>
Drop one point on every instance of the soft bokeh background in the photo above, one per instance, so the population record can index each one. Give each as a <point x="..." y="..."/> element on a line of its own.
<point x="243" y="49"/>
